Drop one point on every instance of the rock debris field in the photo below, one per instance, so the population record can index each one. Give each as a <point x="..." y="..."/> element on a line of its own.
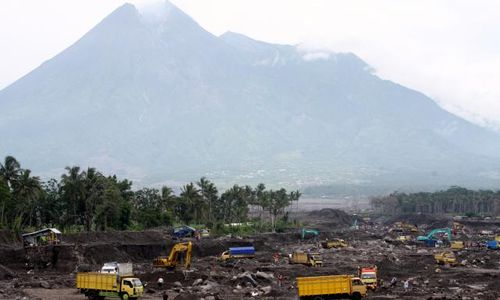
<point x="49" y="272"/>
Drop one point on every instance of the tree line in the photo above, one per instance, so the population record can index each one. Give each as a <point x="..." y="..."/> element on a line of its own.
<point x="86" y="199"/>
<point x="455" y="200"/>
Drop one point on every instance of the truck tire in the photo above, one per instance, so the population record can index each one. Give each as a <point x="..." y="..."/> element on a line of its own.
<point x="125" y="297"/>
<point x="356" y="296"/>
<point x="93" y="296"/>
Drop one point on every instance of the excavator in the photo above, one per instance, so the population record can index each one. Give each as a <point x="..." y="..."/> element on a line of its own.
<point x="446" y="232"/>
<point x="309" y="232"/>
<point x="179" y="255"/>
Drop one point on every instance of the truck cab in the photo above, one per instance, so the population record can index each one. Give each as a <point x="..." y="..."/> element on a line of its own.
<point x="132" y="287"/>
<point x="369" y="277"/>
<point x="358" y="287"/>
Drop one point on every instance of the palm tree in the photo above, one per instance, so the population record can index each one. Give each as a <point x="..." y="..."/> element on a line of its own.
<point x="10" y="170"/>
<point x="72" y="186"/>
<point x="209" y="195"/>
<point x="192" y="199"/>
<point x="94" y="186"/>
<point x="27" y="191"/>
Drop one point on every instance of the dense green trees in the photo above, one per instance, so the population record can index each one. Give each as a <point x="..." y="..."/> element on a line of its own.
<point x="455" y="200"/>
<point x="88" y="200"/>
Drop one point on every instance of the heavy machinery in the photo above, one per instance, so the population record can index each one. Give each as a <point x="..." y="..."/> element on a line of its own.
<point x="113" y="267"/>
<point x="183" y="232"/>
<point x="304" y="232"/>
<point x="335" y="243"/>
<point x="179" y="255"/>
<point x="444" y="232"/>
<point x="457" y="245"/>
<point x="122" y="284"/>
<point x="308" y="259"/>
<point x="458" y="226"/>
<point x="445" y="258"/>
<point x="404" y="238"/>
<point x="238" y="252"/>
<point x="330" y="287"/>
<point x="404" y="227"/>
<point x="493" y="245"/>
<point x="369" y="276"/>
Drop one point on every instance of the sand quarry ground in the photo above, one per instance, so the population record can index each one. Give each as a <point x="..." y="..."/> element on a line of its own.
<point x="49" y="273"/>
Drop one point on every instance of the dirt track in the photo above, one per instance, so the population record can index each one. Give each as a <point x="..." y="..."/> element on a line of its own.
<point x="476" y="278"/>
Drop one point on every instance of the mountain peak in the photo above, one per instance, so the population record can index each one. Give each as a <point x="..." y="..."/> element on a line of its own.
<point x="166" y="13"/>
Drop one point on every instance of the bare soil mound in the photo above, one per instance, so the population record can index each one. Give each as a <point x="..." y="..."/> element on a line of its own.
<point x="9" y="238"/>
<point x="431" y="221"/>
<point x="331" y="217"/>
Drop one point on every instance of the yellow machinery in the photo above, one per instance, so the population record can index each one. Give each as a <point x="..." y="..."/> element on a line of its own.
<point x="458" y="226"/>
<point x="497" y="238"/>
<point x="329" y="287"/>
<point x="308" y="259"/>
<point x="403" y="226"/>
<point x="179" y="255"/>
<point x="457" y="245"/>
<point x="101" y="285"/>
<point x="335" y="243"/>
<point x="404" y="238"/>
<point x="445" y="258"/>
<point x="369" y="276"/>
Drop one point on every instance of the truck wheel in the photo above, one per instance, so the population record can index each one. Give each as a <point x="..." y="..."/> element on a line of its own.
<point x="125" y="296"/>
<point x="356" y="296"/>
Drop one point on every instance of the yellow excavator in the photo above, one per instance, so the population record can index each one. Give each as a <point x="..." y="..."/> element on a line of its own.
<point x="180" y="255"/>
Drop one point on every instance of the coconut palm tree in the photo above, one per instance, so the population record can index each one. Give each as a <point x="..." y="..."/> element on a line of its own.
<point x="10" y="170"/>
<point x="209" y="195"/>
<point x="27" y="192"/>
<point x="192" y="200"/>
<point x="72" y="186"/>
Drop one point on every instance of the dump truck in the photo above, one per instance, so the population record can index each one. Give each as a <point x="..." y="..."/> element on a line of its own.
<point x="335" y="243"/>
<point x="308" y="259"/>
<point x="404" y="227"/>
<point x="238" y="252"/>
<point x="493" y="245"/>
<point x="180" y="255"/>
<point x="122" y="284"/>
<point x="115" y="267"/>
<point x="183" y="232"/>
<point x="445" y="258"/>
<point x="369" y="276"/>
<point x="330" y="287"/>
<point x="404" y="238"/>
<point x="457" y="245"/>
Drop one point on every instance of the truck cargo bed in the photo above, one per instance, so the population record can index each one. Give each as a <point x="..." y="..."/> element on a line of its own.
<point x="96" y="281"/>
<point x="324" y="285"/>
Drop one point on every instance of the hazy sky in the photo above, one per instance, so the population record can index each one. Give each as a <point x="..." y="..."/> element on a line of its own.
<point x="448" y="49"/>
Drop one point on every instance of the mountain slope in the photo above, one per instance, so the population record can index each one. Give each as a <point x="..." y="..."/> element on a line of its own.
<point x="161" y="99"/>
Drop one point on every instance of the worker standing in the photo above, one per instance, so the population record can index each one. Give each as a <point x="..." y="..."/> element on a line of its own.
<point x="406" y="285"/>
<point x="394" y="280"/>
<point x="160" y="282"/>
<point x="276" y="257"/>
<point x="280" y="280"/>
